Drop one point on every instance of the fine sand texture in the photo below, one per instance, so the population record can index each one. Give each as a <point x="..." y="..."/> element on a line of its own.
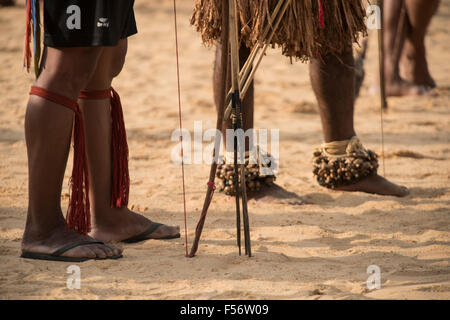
<point x="308" y="242"/>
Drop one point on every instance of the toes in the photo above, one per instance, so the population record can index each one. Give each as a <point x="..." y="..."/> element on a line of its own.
<point x="167" y="231"/>
<point x="100" y="251"/>
<point x="108" y="250"/>
<point x="80" y="252"/>
<point x="105" y="251"/>
<point x="118" y="251"/>
<point x="91" y="253"/>
<point x="430" y="92"/>
<point x="404" y="191"/>
<point x="115" y="251"/>
<point x="174" y="230"/>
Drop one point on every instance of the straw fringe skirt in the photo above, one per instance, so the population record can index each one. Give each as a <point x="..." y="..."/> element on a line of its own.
<point x="301" y="33"/>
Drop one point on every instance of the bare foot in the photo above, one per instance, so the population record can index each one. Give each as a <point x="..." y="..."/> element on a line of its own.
<point x="377" y="185"/>
<point x="119" y="224"/>
<point x="401" y="87"/>
<point x="418" y="75"/>
<point x="414" y="66"/>
<point x="49" y="241"/>
<point x="274" y="194"/>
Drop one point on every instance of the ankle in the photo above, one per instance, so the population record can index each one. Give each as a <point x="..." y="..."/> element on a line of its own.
<point x="393" y="80"/>
<point x="108" y="216"/>
<point x="40" y="229"/>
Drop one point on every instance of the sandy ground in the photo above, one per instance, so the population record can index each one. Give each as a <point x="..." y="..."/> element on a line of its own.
<point x="308" y="242"/>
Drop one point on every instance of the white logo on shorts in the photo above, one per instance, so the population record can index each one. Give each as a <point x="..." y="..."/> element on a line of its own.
<point x="103" y="22"/>
<point x="74" y="20"/>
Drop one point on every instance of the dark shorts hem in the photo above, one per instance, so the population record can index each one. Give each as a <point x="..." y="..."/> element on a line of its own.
<point x="55" y="41"/>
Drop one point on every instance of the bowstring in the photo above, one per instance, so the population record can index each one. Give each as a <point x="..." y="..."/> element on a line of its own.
<point x="180" y="124"/>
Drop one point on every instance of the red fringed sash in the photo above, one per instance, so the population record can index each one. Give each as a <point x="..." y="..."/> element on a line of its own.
<point x="78" y="213"/>
<point x="119" y="146"/>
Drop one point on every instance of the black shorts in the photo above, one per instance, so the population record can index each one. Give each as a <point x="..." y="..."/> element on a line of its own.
<point x="87" y="23"/>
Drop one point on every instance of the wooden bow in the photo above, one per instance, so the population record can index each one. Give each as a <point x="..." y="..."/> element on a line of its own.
<point x="233" y="96"/>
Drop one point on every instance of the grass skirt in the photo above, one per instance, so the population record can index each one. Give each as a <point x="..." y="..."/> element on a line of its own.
<point x="302" y="33"/>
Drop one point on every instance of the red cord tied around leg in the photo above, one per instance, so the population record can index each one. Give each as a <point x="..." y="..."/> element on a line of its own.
<point x="321" y="15"/>
<point x="119" y="147"/>
<point x="78" y="213"/>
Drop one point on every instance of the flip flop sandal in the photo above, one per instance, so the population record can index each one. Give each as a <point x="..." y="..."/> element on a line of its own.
<point x="144" y="235"/>
<point x="56" y="256"/>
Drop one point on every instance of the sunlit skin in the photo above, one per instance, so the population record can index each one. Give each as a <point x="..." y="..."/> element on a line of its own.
<point x="405" y="64"/>
<point x="48" y="130"/>
<point x="335" y="103"/>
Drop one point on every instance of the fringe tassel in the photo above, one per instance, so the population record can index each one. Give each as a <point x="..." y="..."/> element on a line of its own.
<point x="121" y="178"/>
<point x="301" y="34"/>
<point x="32" y="21"/>
<point x="78" y="217"/>
<point x="78" y="213"/>
<point x="119" y="147"/>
